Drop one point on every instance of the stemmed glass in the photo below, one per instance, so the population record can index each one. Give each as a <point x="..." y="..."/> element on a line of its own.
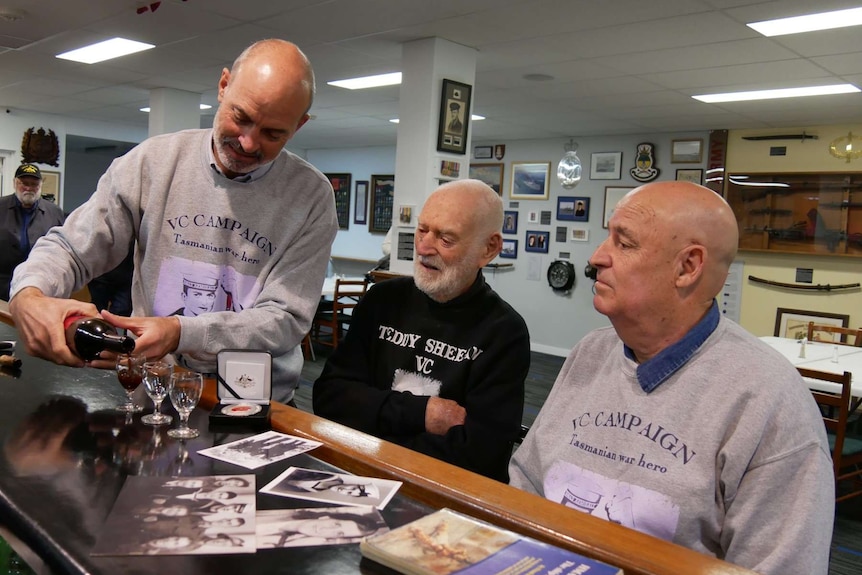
<point x="130" y="372"/>
<point x="185" y="391"/>
<point x="157" y="379"/>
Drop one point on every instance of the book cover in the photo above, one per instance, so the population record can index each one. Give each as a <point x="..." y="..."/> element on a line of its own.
<point x="447" y="542"/>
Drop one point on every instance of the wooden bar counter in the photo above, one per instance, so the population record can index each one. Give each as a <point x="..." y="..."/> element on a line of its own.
<point x="58" y="512"/>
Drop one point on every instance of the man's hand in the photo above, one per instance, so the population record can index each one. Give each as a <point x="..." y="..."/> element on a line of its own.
<point x="39" y="321"/>
<point x="442" y="414"/>
<point x="155" y="337"/>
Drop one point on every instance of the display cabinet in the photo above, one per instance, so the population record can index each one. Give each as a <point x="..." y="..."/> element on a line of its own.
<point x="810" y="213"/>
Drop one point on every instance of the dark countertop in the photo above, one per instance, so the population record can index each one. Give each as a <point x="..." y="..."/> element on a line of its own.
<point x="67" y="452"/>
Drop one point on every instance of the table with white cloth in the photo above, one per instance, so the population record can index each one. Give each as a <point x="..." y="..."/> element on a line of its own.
<point x="823" y="356"/>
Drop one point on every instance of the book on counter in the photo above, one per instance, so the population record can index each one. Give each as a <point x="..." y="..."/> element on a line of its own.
<point x="447" y="542"/>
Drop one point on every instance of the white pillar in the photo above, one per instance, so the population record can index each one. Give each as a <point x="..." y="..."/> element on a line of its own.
<point x="173" y="110"/>
<point x="425" y="64"/>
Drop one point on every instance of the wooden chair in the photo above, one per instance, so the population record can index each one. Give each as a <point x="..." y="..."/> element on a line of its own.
<point x="846" y="451"/>
<point x="345" y="297"/>
<point x="846" y="333"/>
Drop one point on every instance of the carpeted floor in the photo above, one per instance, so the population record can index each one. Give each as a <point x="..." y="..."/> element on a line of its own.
<point x="847" y="536"/>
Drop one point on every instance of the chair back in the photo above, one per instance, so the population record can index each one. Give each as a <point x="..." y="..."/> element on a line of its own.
<point x="847" y="333"/>
<point x="347" y="294"/>
<point x="835" y="409"/>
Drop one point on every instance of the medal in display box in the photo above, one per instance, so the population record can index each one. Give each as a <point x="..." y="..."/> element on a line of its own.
<point x="244" y="388"/>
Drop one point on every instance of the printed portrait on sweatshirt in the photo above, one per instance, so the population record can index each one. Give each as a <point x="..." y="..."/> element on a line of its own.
<point x="613" y="500"/>
<point x="190" y="288"/>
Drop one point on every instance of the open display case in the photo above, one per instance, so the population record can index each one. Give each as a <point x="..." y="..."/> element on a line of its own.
<point x="810" y="213"/>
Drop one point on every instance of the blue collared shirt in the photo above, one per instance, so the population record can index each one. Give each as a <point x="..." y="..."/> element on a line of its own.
<point x="654" y="371"/>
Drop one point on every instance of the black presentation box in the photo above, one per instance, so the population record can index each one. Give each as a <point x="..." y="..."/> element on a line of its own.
<point x="244" y="389"/>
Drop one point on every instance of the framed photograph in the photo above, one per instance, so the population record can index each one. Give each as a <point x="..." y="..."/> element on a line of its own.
<point x="573" y="208"/>
<point x="530" y="180"/>
<point x="510" y="222"/>
<point x="454" y="117"/>
<point x="51" y="186"/>
<point x="341" y="187"/>
<point x="405" y="215"/>
<point x="382" y="194"/>
<point x="510" y="248"/>
<point x="483" y="152"/>
<point x="533" y="217"/>
<point x="491" y="174"/>
<point x="606" y="165"/>
<point x="686" y="151"/>
<point x="693" y="176"/>
<point x="360" y="204"/>
<point x="612" y="196"/>
<point x="537" y="242"/>
<point x="579" y="235"/>
<point x="793" y="323"/>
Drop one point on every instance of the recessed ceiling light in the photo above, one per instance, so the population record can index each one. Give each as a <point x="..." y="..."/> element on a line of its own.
<point x="774" y="94"/>
<point x="203" y="107"/>
<point x="474" y="117"/>
<point x="368" y="81"/>
<point x="101" y="51"/>
<point x="809" y="23"/>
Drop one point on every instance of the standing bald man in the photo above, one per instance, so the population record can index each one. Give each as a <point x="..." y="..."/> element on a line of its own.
<point x="676" y="421"/>
<point x="437" y="362"/>
<point x="229" y="202"/>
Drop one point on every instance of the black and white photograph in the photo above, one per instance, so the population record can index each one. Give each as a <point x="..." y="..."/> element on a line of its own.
<point x="279" y="528"/>
<point x="259" y="450"/>
<point x="454" y="117"/>
<point x="537" y="242"/>
<point x="181" y="516"/>
<point x="331" y="487"/>
<point x="510" y="222"/>
<point x="606" y="165"/>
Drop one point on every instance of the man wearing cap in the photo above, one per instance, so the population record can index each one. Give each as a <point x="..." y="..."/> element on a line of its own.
<point x="455" y="125"/>
<point x="199" y="295"/>
<point x="231" y="199"/>
<point x="24" y="218"/>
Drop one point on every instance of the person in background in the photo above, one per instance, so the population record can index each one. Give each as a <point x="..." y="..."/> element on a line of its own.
<point x="676" y="421"/>
<point x="437" y="362"/>
<point x="24" y="218"/>
<point x="231" y="199"/>
<point x="113" y="290"/>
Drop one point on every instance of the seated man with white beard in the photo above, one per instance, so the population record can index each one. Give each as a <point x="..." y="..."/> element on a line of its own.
<point x="437" y="362"/>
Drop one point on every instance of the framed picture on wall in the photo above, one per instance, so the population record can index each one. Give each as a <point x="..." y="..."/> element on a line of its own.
<point x="537" y="242"/>
<point x="382" y="195"/>
<point x="510" y="222"/>
<point x="341" y="188"/>
<point x="491" y="174"/>
<point x="510" y="248"/>
<point x="360" y="204"/>
<point x="793" y="323"/>
<point x="51" y="186"/>
<point x="454" y="117"/>
<point x="530" y="180"/>
<point x="573" y="208"/>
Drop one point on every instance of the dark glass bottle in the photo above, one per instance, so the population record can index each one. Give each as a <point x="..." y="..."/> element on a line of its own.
<point x="88" y="336"/>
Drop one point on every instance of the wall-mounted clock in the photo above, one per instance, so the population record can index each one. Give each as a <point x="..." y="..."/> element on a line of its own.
<point x="561" y="275"/>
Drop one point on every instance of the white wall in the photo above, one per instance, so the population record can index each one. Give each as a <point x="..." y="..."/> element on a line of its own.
<point x="361" y="163"/>
<point x="14" y="124"/>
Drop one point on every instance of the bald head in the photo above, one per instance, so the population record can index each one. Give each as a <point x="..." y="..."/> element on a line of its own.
<point x="459" y="233"/>
<point x="479" y="202"/>
<point x="274" y="58"/>
<point x="688" y="214"/>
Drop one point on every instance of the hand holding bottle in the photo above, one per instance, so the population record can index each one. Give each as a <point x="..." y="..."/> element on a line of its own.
<point x="39" y="320"/>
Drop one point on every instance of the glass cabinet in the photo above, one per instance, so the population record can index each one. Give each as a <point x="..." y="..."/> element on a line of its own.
<point x="810" y="213"/>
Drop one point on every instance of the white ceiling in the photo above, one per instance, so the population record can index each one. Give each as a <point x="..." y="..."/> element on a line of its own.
<point x="619" y="66"/>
